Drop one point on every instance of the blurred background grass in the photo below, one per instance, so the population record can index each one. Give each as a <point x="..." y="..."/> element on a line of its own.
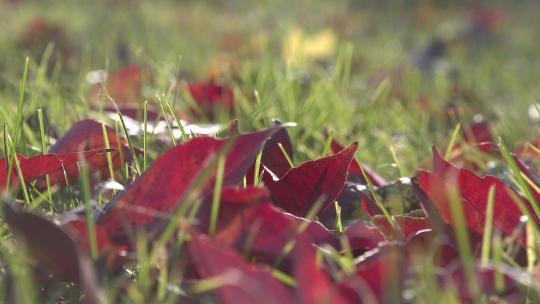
<point x="387" y="73"/>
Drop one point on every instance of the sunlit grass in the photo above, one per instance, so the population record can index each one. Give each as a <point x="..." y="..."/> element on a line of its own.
<point x="343" y="95"/>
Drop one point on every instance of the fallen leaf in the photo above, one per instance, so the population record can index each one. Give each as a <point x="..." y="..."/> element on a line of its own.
<point x="355" y="170"/>
<point x="407" y="225"/>
<point x="300" y="188"/>
<point x="240" y="281"/>
<point x="233" y="201"/>
<point x="87" y="135"/>
<point x="485" y="17"/>
<point x="123" y="86"/>
<point x="299" y="49"/>
<point x="479" y="134"/>
<point x="53" y="250"/>
<point x="211" y="98"/>
<point x="272" y="157"/>
<point x="39" y="33"/>
<point x="264" y="231"/>
<point x="314" y="285"/>
<point x="53" y="165"/>
<point x="161" y="187"/>
<point x="111" y="253"/>
<point x="380" y="274"/>
<point x="363" y="238"/>
<point x="473" y="193"/>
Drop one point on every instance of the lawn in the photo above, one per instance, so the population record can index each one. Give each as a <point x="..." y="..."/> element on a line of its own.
<point x="269" y="151"/>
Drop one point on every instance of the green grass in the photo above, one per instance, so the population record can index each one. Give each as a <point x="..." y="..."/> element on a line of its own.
<point x="336" y="95"/>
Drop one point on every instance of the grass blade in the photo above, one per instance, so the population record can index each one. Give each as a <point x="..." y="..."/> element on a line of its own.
<point x="521" y="183"/>
<point x="217" y="195"/>
<point x="108" y="147"/>
<point x="20" y="107"/>
<point x="289" y="160"/>
<point x="87" y="201"/>
<point x="145" y="131"/>
<point x="185" y="137"/>
<point x="44" y="151"/>
<point x="452" y="142"/>
<point x="169" y="127"/>
<point x="488" y="228"/>
<point x="463" y="240"/>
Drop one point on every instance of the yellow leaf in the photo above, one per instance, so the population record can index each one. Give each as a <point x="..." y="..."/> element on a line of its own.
<point x="299" y="49"/>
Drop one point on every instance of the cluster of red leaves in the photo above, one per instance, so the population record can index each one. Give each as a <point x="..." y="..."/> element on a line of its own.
<point x="35" y="167"/>
<point x="83" y="141"/>
<point x="265" y="224"/>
